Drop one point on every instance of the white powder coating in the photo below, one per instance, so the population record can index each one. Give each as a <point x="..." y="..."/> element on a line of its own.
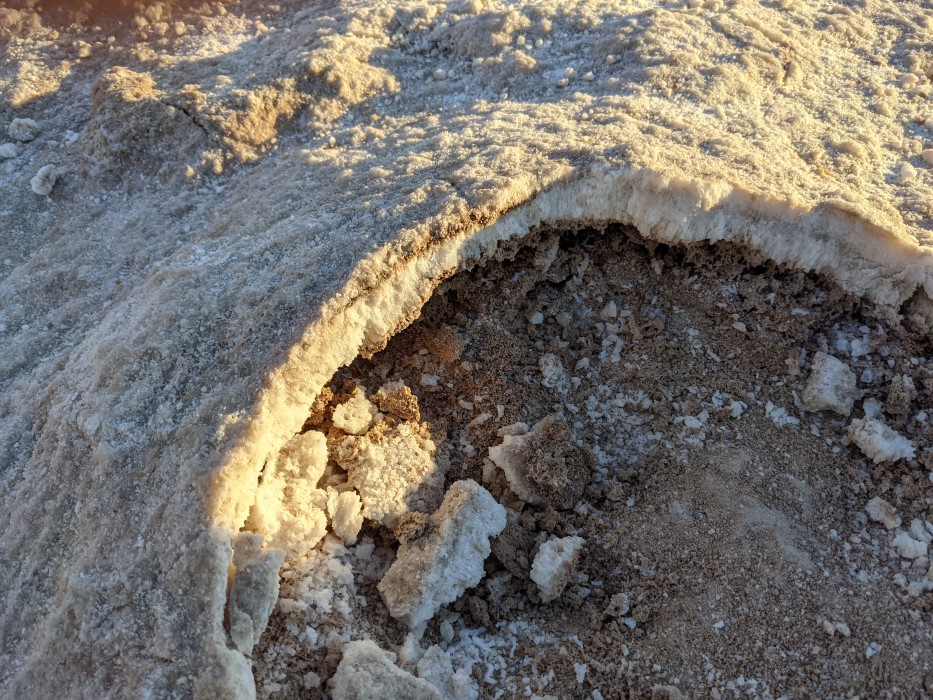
<point x="355" y="415"/>
<point x="366" y="672"/>
<point x="289" y="507"/>
<point x="346" y="515"/>
<point x="232" y="327"/>
<point x="554" y="564"/>
<point x="436" y="568"/>
<point x="44" y="180"/>
<point x="9" y="150"/>
<point x="879" y="442"/>
<point x="882" y="512"/>
<point x="24" y="129"/>
<point x="908" y="547"/>
<point x="393" y="469"/>
<point x="831" y="386"/>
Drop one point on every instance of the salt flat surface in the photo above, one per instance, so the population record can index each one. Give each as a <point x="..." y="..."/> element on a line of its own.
<point x="243" y="198"/>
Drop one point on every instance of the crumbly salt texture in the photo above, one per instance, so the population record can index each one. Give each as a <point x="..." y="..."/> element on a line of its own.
<point x="254" y="589"/>
<point x="24" y="129"/>
<point x="289" y="508"/>
<point x="9" y="150"/>
<point x="554" y="564"/>
<point x="356" y="415"/>
<point x="346" y="515"/>
<point x="879" y="442"/>
<point x="831" y="386"/>
<point x="882" y="512"/>
<point x="366" y="671"/>
<point x="436" y="568"/>
<point x="393" y="469"/>
<point x="554" y="374"/>
<point x="435" y="667"/>
<point x="44" y="180"/>
<point x="908" y="547"/>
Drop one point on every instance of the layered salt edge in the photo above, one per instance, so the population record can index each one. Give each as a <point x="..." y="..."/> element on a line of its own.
<point x="867" y="261"/>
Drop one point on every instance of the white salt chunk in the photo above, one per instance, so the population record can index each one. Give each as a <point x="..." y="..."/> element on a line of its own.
<point x="24" y="129"/>
<point x="9" y="150"/>
<point x="437" y="568"/>
<point x="346" y="515"/>
<point x="393" y="469"/>
<point x="908" y="547"/>
<point x="289" y="508"/>
<point x="554" y="564"/>
<point x="831" y="386"/>
<point x="553" y="372"/>
<point x="44" y="180"/>
<point x="883" y="512"/>
<point x="879" y="442"/>
<point x="356" y="415"/>
<point x="366" y="671"/>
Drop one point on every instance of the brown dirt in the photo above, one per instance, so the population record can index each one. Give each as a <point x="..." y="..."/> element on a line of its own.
<point x="737" y="540"/>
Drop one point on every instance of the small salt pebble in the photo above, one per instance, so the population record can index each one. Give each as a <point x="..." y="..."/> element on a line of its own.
<point x="440" y="74"/>
<point x="44" y="180"/>
<point x="907" y="173"/>
<point x="927" y="156"/>
<point x="24" y="129"/>
<point x="588" y="77"/>
<point x="9" y="150"/>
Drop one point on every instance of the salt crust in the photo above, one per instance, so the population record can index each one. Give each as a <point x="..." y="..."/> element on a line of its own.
<point x="182" y="378"/>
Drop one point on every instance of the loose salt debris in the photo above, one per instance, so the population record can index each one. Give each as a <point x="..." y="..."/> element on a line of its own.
<point x="436" y="668"/>
<point x="908" y="547"/>
<point x="555" y="376"/>
<point x="289" y="508"/>
<point x="872" y="649"/>
<point x="580" y="671"/>
<point x="24" y="129"/>
<point x="927" y="156"/>
<point x="346" y="516"/>
<point x="254" y="589"/>
<point x="879" y="442"/>
<point x="9" y="150"/>
<point x="537" y="318"/>
<point x="609" y="311"/>
<point x="366" y="671"/>
<point x="833" y="627"/>
<point x="554" y="564"/>
<point x="883" y="512"/>
<point x="436" y="568"/>
<point x="356" y="415"/>
<point x="831" y="386"/>
<point x="779" y="415"/>
<point x="907" y="173"/>
<point x="44" y="180"/>
<point x="393" y="469"/>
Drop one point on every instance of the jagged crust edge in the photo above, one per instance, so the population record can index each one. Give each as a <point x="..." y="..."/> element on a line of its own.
<point x="880" y="265"/>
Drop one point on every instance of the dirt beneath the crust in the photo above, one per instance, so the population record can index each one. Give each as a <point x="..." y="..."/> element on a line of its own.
<point x="727" y="549"/>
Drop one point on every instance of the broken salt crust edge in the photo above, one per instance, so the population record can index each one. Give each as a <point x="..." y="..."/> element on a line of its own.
<point x="866" y="260"/>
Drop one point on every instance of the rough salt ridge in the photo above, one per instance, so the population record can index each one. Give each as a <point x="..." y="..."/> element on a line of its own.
<point x="199" y="271"/>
